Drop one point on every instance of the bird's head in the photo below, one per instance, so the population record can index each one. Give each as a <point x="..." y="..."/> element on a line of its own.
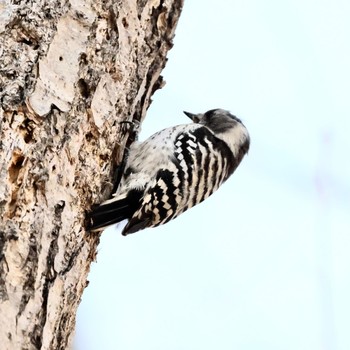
<point x="218" y="120"/>
<point x="225" y="126"/>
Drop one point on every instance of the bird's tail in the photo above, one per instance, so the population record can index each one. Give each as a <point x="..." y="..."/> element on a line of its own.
<point x="114" y="211"/>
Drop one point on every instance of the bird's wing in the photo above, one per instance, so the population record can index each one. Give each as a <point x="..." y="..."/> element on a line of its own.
<point x="196" y="166"/>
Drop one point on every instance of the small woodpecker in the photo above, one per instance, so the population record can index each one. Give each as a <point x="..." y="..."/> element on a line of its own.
<point x="174" y="170"/>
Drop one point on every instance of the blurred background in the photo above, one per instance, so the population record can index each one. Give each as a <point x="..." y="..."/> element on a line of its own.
<point x="265" y="262"/>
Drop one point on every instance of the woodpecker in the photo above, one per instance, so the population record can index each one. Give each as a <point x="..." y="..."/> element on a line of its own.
<point x="174" y="170"/>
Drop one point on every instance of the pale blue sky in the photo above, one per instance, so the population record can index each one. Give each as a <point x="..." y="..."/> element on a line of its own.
<point x="264" y="263"/>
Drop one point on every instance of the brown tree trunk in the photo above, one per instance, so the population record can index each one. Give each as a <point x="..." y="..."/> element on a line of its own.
<point x="70" y="72"/>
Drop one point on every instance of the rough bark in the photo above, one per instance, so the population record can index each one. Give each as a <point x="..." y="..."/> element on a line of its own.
<point x="70" y="72"/>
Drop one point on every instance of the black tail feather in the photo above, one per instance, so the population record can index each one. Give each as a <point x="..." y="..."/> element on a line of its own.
<point x="115" y="211"/>
<point x="110" y="208"/>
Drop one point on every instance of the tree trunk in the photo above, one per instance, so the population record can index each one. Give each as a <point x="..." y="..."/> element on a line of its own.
<point x="70" y="72"/>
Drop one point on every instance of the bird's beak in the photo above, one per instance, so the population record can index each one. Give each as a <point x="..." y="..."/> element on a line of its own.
<point x="193" y="117"/>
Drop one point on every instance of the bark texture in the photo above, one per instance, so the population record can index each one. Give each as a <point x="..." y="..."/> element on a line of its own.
<point x="70" y="72"/>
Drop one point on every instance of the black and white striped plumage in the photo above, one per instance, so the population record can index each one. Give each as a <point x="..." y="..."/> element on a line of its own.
<point x="174" y="170"/>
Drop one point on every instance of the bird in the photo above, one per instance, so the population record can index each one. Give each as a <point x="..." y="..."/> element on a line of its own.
<point x="174" y="170"/>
